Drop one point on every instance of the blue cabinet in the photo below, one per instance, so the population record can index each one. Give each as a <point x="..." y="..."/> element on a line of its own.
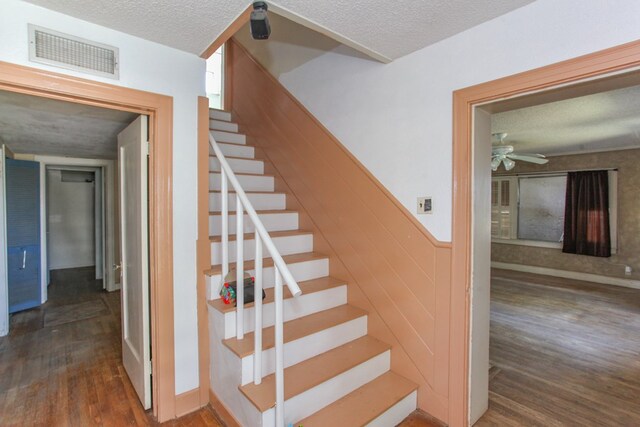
<point x="23" y="233"/>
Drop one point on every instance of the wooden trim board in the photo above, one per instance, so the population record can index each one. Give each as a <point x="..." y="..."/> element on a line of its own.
<point x="233" y="28"/>
<point x="188" y="402"/>
<point x="222" y="412"/>
<point x="159" y="108"/>
<point x="203" y="246"/>
<point x="599" y="64"/>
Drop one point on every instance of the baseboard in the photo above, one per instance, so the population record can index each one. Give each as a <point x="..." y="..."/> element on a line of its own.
<point x="222" y="412"/>
<point x="188" y="402"/>
<point x="587" y="277"/>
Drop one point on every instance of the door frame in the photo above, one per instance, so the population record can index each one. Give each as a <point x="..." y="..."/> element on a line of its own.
<point x="615" y="60"/>
<point x="159" y="108"/>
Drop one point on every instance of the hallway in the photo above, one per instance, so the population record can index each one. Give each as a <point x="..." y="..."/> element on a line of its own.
<point x="61" y="362"/>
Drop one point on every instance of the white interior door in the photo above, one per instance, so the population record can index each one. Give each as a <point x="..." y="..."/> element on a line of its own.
<point x="134" y="250"/>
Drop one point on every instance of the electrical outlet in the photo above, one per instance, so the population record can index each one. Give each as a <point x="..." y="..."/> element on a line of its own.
<point x="627" y="270"/>
<point x="425" y="205"/>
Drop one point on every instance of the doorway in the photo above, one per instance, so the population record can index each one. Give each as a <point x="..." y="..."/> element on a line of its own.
<point x="466" y="174"/>
<point x="49" y="85"/>
<point x="68" y="241"/>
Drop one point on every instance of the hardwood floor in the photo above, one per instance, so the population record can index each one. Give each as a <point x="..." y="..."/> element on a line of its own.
<point x="563" y="353"/>
<point x="61" y="363"/>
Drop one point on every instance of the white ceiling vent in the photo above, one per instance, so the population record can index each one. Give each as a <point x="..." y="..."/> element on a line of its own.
<point x="74" y="53"/>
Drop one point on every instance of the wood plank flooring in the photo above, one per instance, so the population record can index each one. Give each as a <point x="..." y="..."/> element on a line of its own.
<point x="563" y="353"/>
<point x="70" y="373"/>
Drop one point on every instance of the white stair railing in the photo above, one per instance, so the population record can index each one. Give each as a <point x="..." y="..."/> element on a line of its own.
<point x="282" y="273"/>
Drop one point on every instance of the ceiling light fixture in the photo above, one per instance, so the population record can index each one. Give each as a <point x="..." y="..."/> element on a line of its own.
<point x="260" y="28"/>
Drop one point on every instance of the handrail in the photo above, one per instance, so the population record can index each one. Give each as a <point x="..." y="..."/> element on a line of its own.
<point x="281" y="271"/>
<point x="266" y="239"/>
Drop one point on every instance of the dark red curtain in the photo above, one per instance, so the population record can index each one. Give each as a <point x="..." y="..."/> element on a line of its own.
<point x="586" y="217"/>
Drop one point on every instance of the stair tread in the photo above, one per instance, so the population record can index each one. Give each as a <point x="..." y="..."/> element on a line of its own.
<point x="225" y="131"/>
<point x="234" y="143"/>
<point x="222" y="130"/>
<point x="307" y="287"/>
<point x="237" y="158"/>
<point x="314" y="371"/>
<point x="268" y="262"/>
<point x="364" y="404"/>
<point x="262" y="212"/>
<point x="250" y="192"/>
<point x="296" y="328"/>
<point x="244" y="174"/>
<point x="250" y="236"/>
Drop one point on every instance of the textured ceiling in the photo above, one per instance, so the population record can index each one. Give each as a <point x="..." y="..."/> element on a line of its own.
<point x="34" y="125"/>
<point x="385" y="30"/>
<point x="598" y="122"/>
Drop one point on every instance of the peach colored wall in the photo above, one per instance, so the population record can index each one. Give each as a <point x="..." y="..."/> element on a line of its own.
<point x="396" y="270"/>
<point x="626" y="161"/>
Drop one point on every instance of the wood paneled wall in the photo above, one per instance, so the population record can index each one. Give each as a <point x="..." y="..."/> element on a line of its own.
<point x="396" y="270"/>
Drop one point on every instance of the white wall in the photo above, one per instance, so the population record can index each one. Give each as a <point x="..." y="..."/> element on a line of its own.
<point x="70" y="222"/>
<point x="152" y="67"/>
<point x="397" y="118"/>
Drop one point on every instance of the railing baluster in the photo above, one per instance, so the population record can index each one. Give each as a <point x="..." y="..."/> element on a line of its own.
<point x="257" y="334"/>
<point x="239" y="269"/>
<point x="282" y="276"/>
<point x="279" y="335"/>
<point x="224" y="205"/>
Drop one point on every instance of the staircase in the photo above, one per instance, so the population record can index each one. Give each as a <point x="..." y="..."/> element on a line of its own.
<point x="334" y="373"/>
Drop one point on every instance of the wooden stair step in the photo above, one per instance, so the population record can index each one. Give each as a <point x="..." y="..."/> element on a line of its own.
<point x="243" y="174"/>
<point x="266" y="212"/>
<point x="364" y="404"/>
<point x="268" y="262"/>
<point x="234" y="143"/>
<point x="296" y="329"/>
<point x="273" y="234"/>
<point x="312" y="372"/>
<point x="234" y="157"/>
<point x="248" y="192"/>
<point x="308" y="287"/>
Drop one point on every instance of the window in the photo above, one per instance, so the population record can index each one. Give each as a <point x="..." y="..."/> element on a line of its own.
<point x="214" y="80"/>
<point x="529" y="210"/>
<point x="541" y="208"/>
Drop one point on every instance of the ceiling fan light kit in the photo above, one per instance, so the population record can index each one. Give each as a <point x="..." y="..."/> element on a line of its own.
<point x="505" y="154"/>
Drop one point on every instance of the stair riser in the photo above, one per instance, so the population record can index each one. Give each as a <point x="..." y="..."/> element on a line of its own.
<point x="316" y="398"/>
<point x="238" y="165"/>
<point x="220" y="115"/>
<point x="294" y="308"/>
<point x="223" y="125"/>
<point x="398" y="412"/>
<point x="285" y="221"/>
<point x="286" y="245"/>
<point x="235" y="150"/>
<point x="259" y="201"/>
<point x="301" y="271"/>
<point x="308" y="347"/>
<point x="248" y="182"/>
<point x="234" y="138"/>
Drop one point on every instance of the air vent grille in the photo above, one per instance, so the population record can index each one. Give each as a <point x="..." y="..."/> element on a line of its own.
<point x="63" y="50"/>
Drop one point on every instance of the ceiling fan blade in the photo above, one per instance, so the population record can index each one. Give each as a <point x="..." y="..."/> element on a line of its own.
<point x="528" y="158"/>
<point x="541" y="156"/>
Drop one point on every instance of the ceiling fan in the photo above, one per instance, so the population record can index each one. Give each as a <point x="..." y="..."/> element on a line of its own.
<point x="504" y="154"/>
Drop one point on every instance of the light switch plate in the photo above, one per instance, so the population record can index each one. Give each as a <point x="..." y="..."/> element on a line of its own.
<point x="425" y="205"/>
